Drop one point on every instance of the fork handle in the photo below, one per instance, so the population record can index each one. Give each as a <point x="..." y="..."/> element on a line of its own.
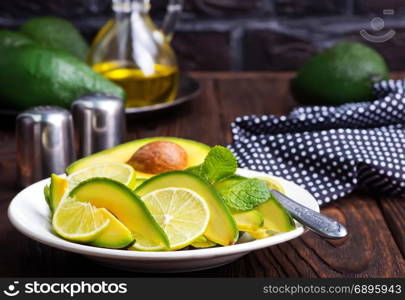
<point x="317" y="222"/>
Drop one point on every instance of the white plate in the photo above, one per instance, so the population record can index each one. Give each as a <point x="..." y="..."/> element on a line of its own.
<point x="29" y="213"/>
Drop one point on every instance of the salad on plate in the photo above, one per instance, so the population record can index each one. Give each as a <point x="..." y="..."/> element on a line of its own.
<point x="163" y="194"/>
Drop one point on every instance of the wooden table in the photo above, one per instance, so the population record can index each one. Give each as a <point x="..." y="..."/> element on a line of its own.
<point x="374" y="248"/>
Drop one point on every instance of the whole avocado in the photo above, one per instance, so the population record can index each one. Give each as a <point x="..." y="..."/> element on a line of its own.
<point x="340" y="74"/>
<point x="33" y="75"/>
<point x="56" y="33"/>
<point x="10" y="38"/>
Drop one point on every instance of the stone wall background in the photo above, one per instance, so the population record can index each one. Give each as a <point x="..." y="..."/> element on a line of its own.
<point x="251" y="35"/>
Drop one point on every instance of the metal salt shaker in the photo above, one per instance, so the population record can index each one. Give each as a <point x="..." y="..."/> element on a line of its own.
<point x="99" y="122"/>
<point x="44" y="143"/>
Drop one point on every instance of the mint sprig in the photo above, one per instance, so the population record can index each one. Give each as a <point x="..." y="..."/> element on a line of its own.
<point x="244" y="194"/>
<point x="238" y="193"/>
<point x="219" y="164"/>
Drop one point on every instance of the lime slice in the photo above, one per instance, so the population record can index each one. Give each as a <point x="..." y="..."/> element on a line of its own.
<point x="182" y="214"/>
<point x="78" y="221"/>
<point x="116" y="171"/>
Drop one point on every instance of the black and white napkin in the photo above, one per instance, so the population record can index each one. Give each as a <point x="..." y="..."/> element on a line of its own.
<point x="331" y="150"/>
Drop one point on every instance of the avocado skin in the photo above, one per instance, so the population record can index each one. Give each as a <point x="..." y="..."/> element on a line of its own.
<point x="56" y="33"/>
<point x="9" y="39"/>
<point x="33" y="75"/>
<point x="340" y="74"/>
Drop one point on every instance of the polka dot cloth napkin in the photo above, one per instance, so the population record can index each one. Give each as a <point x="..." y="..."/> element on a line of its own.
<point x="331" y="150"/>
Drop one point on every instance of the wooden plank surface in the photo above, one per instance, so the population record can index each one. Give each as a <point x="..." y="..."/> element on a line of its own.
<point x="374" y="248"/>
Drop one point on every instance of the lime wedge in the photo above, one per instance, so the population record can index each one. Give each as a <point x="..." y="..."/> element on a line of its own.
<point x="116" y="171"/>
<point x="180" y="212"/>
<point x="78" y="221"/>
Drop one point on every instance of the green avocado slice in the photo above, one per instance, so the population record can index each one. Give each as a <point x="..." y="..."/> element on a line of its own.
<point x="275" y="216"/>
<point x="248" y="220"/>
<point x="115" y="236"/>
<point x="196" y="153"/>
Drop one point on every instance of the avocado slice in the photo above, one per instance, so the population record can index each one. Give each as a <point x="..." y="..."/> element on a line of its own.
<point x="57" y="189"/>
<point x="116" y="235"/>
<point x="203" y="242"/>
<point x="248" y="220"/>
<point x="47" y="195"/>
<point x="228" y="181"/>
<point x="222" y="227"/>
<point x="196" y="153"/>
<point x="123" y="203"/>
<point x="276" y="218"/>
<point x="259" y="233"/>
<point x="139" y="181"/>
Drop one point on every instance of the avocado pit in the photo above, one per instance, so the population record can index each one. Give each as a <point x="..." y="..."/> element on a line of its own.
<point x="159" y="157"/>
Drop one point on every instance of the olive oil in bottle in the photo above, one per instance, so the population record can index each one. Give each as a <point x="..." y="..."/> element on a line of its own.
<point x="142" y="89"/>
<point x="132" y="52"/>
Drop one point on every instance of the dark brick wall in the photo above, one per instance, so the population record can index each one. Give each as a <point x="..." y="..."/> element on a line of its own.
<point x="243" y="34"/>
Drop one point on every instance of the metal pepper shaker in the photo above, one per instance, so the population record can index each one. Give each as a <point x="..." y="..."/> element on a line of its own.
<point x="99" y="122"/>
<point x="44" y="143"/>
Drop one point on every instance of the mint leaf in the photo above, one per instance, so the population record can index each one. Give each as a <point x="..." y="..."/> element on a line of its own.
<point x="245" y="194"/>
<point x="219" y="164"/>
